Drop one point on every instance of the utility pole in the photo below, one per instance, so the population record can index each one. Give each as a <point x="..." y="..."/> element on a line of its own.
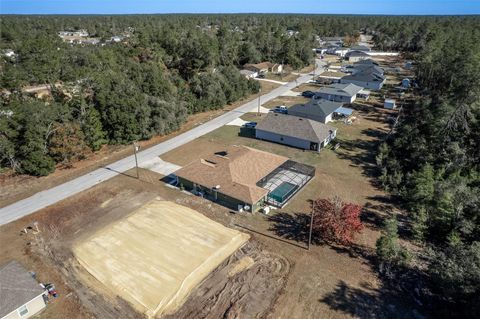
<point x="314" y="67"/>
<point x="259" y="94"/>
<point x="311" y="228"/>
<point x="136" y="148"/>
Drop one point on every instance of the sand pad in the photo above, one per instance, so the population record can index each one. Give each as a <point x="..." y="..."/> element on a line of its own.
<point x="154" y="257"/>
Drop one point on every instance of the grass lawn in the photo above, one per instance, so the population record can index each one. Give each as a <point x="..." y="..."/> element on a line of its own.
<point x="307" y="87"/>
<point x="287" y="77"/>
<point x="285" y="100"/>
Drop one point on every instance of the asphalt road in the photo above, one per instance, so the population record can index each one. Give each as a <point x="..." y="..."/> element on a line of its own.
<point x="50" y="196"/>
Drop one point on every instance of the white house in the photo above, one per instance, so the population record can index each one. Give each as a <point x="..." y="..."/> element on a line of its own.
<point x="21" y="295"/>
<point x="249" y="74"/>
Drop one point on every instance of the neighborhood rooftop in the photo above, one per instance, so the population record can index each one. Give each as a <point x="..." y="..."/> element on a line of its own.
<point x="295" y="126"/>
<point x="234" y="171"/>
<point x="320" y="107"/>
<point x="341" y="89"/>
<point x="17" y="287"/>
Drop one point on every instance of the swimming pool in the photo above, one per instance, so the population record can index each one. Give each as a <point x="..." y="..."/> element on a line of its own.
<point x="283" y="192"/>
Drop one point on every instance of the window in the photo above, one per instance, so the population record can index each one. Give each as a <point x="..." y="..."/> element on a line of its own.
<point x="23" y="310"/>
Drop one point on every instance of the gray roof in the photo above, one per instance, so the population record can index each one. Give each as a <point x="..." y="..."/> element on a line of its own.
<point x="317" y="107"/>
<point x="341" y="89"/>
<point x="368" y="68"/>
<point x="366" y="61"/>
<point x="360" y="48"/>
<point x="364" y="77"/>
<point x="17" y="287"/>
<point x="247" y="72"/>
<point x="356" y="53"/>
<point x="294" y="126"/>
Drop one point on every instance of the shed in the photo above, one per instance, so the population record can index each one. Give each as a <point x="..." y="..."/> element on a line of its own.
<point x="389" y="104"/>
<point x="20" y="294"/>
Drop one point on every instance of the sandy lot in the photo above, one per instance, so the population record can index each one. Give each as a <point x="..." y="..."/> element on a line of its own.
<point x="157" y="255"/>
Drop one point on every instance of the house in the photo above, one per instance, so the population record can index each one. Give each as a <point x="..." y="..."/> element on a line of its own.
<point x="21" y="296"/>
<point x="264" y="67"/>
<point x="362" y="48"/>
<point x="389" y="104"/>
<point x="366" y="79"/>
<point x="295" y="131"/>
<point x="346" y="93"/>
<point x="9" y="53"/>
<point x="355" y="56"/>
<point x="249" y="74"/>
<point x="320" y="110"/>
<point x="243" y="178"/>
<point x="367" y="61"/>
<point x="341" y="52"/>
<point x="367" y="68"/>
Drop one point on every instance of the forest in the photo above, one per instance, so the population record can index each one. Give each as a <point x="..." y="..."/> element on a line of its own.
<point x="176" y="65"/>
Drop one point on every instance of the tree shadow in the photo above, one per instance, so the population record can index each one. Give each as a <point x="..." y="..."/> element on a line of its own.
<point x="361" y="303"/>
<point x="292" y="226"/>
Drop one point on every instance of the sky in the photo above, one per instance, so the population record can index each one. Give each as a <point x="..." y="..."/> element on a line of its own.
<point x="395" y="7"/>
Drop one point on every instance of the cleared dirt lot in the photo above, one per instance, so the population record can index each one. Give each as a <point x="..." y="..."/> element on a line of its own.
<point x="155" y="256"/>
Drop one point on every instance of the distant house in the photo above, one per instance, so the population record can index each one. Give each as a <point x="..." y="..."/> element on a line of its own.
<point x="367" y="68"/>
<point x="389" y="104"/>
<point x="346" y="93"/>
<point x="295" y="131"/>
<point x="264" y="67"/>
<point x="9" y="53"/>
<point x="317" y="109"/>
<point x="341" y="51"/>
<point x="355" y="56"/>
<point x="249" y="74"/>
<point x="367" y="79"/>
<point x="367" y="61"/>
<point x="21" y="296"/>
<point x="362" y="48"/>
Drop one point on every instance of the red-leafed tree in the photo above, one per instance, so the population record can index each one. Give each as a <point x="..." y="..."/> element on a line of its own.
<point x="336" y="221"/>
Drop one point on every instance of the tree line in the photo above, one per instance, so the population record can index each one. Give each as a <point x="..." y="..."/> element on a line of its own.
<point x="432" y="163"/>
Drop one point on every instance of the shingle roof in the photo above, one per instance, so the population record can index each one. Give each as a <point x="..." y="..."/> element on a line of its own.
<point x="360" y="48"/>
<point x="366" y="68"/>
<point x="237" y="172"/>
<point x="294" y="126"/>
<point x="356" y="53"/>
<point x="365" y="77"/>
<point x="366" y="61"/>
<point x="341" y="89"/>
<point x="17" y="287"/>
<point x="320" y="107"/>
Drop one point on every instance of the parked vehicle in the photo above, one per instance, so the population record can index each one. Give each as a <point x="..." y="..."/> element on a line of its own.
<point x="261" y="76"/>
<point x="308" y="94"/>
<point x="281" y="109"/>
<point x="250" y="124"/>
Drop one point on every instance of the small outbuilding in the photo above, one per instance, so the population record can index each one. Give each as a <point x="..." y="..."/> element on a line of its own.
<point x="21" y="296"/>
<point x="389" y="104"/>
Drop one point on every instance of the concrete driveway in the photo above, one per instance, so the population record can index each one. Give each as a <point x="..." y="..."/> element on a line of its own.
<point x="55" y="194"/>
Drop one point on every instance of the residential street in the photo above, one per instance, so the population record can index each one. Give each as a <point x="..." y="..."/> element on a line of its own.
<point x="48" y="197"/>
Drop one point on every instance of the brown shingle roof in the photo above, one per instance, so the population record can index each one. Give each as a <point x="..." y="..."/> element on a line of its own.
<point x="17" y="287"/>
<point x="236" y="173"/>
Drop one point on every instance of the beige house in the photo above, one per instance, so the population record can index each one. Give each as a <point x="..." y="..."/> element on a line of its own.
<point x="264" y="67"/>
<point x="21" y="296"/>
